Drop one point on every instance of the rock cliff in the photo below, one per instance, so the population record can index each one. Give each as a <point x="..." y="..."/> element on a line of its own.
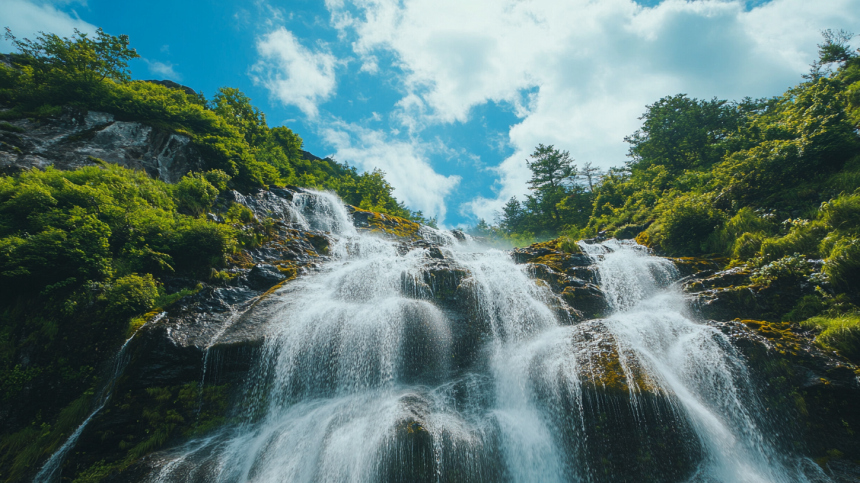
<point x="75" y="138"/>
<point x="188" y="365"/>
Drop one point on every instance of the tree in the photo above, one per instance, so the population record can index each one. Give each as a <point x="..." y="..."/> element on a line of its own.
<point x="552" y="172"/>
<point x="512" y="216"/>
<point x="682" y="133"/>
<point x="79" y="57"/>
<point x="834" y="50"/>
<point x="591" y="174"/>
<point x="481" y="229"/>
<point x="235" y="108"/>
<point x="550" y="168"/>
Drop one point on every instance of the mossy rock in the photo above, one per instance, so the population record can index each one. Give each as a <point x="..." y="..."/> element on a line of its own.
<point x="588" y="299"/>
<point x="694" y="265"/>
<point x="390" y="225"/>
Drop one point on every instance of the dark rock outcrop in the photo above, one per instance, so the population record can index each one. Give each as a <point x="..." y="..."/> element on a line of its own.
<point x="571" y="276"/>
<point x="75" y="139"/>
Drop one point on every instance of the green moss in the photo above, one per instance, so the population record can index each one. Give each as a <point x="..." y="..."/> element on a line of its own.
<point x="159" y="415"/>
<point x="780" y="335"/>
<point x="5" y="126"/>
<point x="605" y="372"/>
<point x="392" y="225"/>
<point x="22" y="450"/>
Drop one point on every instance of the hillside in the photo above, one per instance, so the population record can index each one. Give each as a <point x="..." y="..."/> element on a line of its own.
<point x="770" y="187"/>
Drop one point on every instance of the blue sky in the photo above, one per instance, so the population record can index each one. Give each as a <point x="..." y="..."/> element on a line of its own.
<point x="449" y="97"/>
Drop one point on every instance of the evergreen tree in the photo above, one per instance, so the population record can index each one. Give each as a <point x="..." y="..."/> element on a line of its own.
<point x="553" y="172"/>
<point x="512" y="216"/>
<point x="550" y="168"/>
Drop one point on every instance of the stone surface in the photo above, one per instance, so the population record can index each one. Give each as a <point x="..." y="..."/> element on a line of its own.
<point x="74" y="138"/>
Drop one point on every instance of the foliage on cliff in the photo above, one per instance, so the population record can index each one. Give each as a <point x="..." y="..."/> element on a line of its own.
<point x="769" y="183"/>
<point x="230" y="133"/>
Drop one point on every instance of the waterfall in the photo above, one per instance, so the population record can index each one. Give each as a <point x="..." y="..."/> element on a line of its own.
<point x="50" y="470"/>
<point x="693" y="364"/>
<point x="405" y="363"/>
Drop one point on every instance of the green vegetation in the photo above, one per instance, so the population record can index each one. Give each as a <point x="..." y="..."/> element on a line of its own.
<point x="81" y="256"/>
<point x="52" y="73"/>
<point x="840" y="332"/>
<point x="84" y="254"/>
<point x="772" y="184"/>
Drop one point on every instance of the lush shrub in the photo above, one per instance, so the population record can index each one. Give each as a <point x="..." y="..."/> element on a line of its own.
<point x="742" y="234"/>
<point x="787" y="270"/>
<point x="842" y="212"/>
<point x="843" y="264"/>
<point x="61" y="229"/>
<point x="239" y="214"/>
<point x="130" y="295"/>
<point x="747" y="245"/>
<point x="200" y="244"/>
<point x="686" y="226"/>
<point x="803" y="237"/>
<point x="195" y="194"/>
<point x="841" y="333"/>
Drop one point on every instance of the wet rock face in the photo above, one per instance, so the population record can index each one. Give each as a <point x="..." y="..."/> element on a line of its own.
<point x="264" y="276"/>
<point x="571" y="276"/>
<point x="729" y="294"/>
<point x="814" y="390"/>
<point x="72" y="139"/>
<point x="817" y="390"/>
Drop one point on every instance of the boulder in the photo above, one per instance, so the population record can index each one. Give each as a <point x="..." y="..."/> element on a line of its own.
<point x="264" y="276"/>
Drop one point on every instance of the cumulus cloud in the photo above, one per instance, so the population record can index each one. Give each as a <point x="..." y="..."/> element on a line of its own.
<point x="164" y="69"/>
<point x="292" y="73"/>
<point x="405" y="164"/>
<point x="27" y="18"/>
<point x="579" y="73"/>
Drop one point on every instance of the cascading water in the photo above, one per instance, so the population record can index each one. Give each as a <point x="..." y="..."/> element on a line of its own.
<point x="450" y="363"/>
<point x="50" y="470"/>
<point x="693" y="364"/>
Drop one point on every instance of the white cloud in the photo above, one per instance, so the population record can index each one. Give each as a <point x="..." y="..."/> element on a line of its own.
<point x="27" y="18"/>
<point x="292" y="73"/>
<point x="164" y="69"/>
<point x="405" y="164"/>
<point x="579" y="73"/>
<point x="370" y="65"/>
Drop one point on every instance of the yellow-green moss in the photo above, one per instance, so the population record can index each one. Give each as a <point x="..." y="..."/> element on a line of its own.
<point x="605" y="372"/>
<point x="392" y="225"/>
<point x="780" y="334"/>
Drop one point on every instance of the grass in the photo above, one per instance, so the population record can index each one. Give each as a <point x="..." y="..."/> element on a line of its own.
<point x="5" y="126"/>
<point x="840" y="333"/>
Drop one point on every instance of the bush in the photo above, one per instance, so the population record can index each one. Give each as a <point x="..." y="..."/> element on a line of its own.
<point x="785" y="271"/>
<point x="843" y="264"/>
<point x="199" y="244"/>
<point x="131" y="295"/>
<point x="842" y="212"/>
<point x="687" y="225"/>
<point x="840" y="333"/>
<point x="747" y="245"/>
<point x="195" y="194"/>
<point x="803" y="237"/>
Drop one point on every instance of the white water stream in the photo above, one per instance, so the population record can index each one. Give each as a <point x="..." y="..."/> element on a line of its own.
<point x="367" y="374"/>
<point x="50" y="470"/>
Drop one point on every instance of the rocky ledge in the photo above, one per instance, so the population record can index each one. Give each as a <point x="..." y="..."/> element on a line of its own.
<point x="187" y="366"/>
<point x="74" y="139"/>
